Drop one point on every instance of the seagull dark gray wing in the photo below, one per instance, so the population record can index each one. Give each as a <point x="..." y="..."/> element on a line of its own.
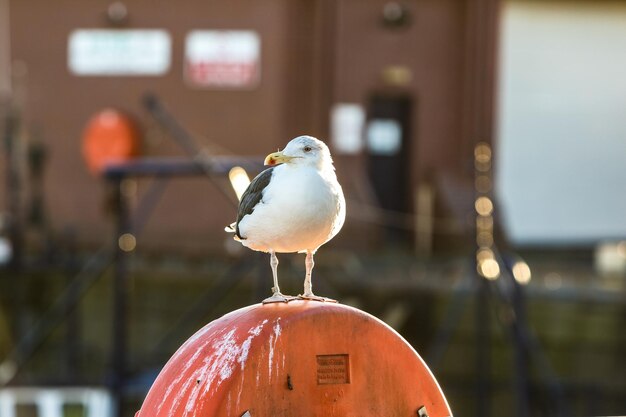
<point x="252" y="196"/>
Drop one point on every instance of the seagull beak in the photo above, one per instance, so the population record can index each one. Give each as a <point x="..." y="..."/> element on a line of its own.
<point x="277" y="158"/>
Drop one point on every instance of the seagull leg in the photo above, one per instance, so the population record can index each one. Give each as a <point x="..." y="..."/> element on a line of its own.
<point x="277" y="296"/>
<point x="308" y="286"/>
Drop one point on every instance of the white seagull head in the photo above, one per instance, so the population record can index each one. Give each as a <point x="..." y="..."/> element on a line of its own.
<point x="303" y="150"/>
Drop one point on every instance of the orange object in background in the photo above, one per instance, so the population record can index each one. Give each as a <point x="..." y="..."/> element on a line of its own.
<point x="301" y="359"/>
<point x="110" y="136"/>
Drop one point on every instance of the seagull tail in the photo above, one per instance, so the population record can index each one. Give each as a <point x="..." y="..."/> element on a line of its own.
<point x="232" y="228"/>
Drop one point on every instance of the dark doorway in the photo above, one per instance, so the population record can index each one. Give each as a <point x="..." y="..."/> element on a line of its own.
<point x="387" y="138"/>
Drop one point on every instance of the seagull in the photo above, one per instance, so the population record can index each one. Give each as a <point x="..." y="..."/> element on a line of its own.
<point x="296" y="205"/>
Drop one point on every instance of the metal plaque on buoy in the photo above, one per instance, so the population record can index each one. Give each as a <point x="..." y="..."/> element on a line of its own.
<point x="297" y="359"/>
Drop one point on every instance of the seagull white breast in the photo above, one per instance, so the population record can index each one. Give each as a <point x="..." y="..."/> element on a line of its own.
<point x="301" y="208"/>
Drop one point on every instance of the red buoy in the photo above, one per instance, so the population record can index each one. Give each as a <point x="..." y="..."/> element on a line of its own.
<point x="299" y="359"/>
<point x="110" y="136"/>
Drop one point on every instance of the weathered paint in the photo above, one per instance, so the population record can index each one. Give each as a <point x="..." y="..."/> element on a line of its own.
<point x="242" y="361"/>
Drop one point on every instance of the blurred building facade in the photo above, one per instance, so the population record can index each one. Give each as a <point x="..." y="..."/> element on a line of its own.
<point x="428" y="67"/>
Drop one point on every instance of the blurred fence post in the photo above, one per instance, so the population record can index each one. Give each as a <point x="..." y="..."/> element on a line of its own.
<point x="120" y="296"/>
<point x="424" y="220"/>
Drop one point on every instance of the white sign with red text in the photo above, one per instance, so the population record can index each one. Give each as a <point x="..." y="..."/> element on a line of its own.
<point x="222" y="59"/>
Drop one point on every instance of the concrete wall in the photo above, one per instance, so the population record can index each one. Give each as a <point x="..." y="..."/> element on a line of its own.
<point x="562" y="132"/>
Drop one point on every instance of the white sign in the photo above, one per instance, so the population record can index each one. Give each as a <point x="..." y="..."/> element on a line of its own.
<point x="384" y="137"/>
<point x="347" y="122"/>
<point x="119" y="52"/>
<point x="222" y="58"/>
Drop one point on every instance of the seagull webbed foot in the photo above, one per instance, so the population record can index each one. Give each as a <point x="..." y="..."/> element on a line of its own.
<point x="278" y="297"/>
<point x="313" y="297"/>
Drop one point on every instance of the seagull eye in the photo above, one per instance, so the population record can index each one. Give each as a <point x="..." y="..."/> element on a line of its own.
<point x="307" y="149"/>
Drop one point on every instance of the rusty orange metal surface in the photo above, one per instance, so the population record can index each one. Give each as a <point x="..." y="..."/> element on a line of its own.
<point x="300" y="359"/>
<point x="110" y="136"/>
